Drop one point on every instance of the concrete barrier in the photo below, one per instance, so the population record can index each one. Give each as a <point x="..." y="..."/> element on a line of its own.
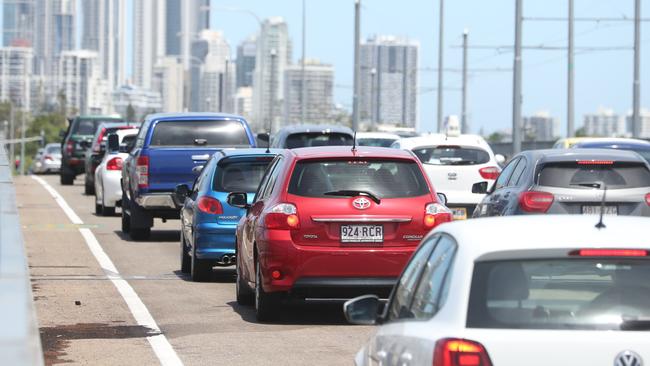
<point x="20" y="343"/>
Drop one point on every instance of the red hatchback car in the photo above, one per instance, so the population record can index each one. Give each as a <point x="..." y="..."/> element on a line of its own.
<point x="332" y="222"/>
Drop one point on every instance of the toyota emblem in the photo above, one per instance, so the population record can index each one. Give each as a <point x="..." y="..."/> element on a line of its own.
<point x="361" y="203"/>
<point x="628" y="358"/>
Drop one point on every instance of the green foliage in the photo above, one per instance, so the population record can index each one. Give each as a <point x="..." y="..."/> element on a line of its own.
<point x="130" y="113"/>
<point x="495" y="137"/>
<point x="580" y="132"/>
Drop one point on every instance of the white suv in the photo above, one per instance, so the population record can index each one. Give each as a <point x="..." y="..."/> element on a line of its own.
<point x="454" y="164"/>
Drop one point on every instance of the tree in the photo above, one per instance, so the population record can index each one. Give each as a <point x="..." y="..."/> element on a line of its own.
<point x="130" y="113"/>
<point x="495" y="137"/>
<point x="580" y="132"/>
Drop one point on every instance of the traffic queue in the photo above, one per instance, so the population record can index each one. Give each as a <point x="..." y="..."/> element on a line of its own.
<point x="319" y="212"/>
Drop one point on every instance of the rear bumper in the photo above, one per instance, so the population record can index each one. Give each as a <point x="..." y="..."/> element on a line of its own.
<point x="112" y="189"/>
<point x="213" y="241"/>
<point x="335" y="272"/>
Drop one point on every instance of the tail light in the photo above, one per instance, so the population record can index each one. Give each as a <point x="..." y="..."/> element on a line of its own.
<point x="210" y="205"/>
<point x="610" y="253"/>
<point x="69" y="147"/>
<point x="97" y="146"/>
<point x="114" y="164"/>
<point x="435" y="213"/>
<point x="534" y="201"/>
<point x="49" y="157"/>
<point x="460" y="352"/>
<point x="142" y="171"/>
<point x="490" y="172"/>
<point x="647" y="199"/>
<point x="283" y="216"/>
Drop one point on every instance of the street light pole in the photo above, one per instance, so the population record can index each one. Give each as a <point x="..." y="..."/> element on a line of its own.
<point x="570" y="76"/>
<point x="272" y="91"/>
<point x="636" y="103"/>
<point x="440" y="63"/>
<point x="516" y="89"/>
<point x="463" y="123"/>
<point x="22" y="142"/>
<point x="303" y="89"/>
<point x="357" y="66"/>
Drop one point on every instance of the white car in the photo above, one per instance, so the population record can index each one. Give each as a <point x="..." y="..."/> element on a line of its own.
<point x="551" y="290"/>
<point x="108" y="190"/>
<point x="454" y="165"/>
<point x="379" y="139"/>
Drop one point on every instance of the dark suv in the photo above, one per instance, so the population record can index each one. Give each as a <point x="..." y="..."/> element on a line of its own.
<point x="76" y="140"/>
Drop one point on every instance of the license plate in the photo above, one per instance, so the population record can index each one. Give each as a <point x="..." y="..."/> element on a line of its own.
<point x="459" y="213"/>
<point x="595" y="210"/>
<point x="362" y="234"/>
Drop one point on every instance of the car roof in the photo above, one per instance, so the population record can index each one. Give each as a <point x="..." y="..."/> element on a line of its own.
<point x="615" y="144"/>
<point x="520" y="234"/>
<point x="442" y="139"/>
<point x="193" y="115"/>
<point x="314" y="128"/>
<point x="377" y="135"/>
<point x="252" y="151"/>
<point x="569" y="155"/>
<point x="346" y="152"/>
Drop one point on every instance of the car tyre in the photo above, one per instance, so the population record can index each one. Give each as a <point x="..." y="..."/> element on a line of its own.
<point x="66" y="179"/>
<point x="200" y="269"/>
<point x="89" y="189"/>
<point x="244" y="294"/>
<point x="98" y="210"/>
<point x="108" y="211"/>
<point x="265" y="303"/>
<point x="126" y="220"/>
<point x="185" y="256"/>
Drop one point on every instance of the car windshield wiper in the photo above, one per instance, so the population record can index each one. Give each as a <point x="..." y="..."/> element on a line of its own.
<point x="588" y="184"/>
<point x="352" y="193"/>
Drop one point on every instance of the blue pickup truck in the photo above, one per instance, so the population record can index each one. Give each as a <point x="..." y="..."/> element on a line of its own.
<point x="171" y="149"/>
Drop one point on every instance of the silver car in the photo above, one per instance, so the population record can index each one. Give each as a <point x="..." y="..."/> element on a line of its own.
<point x="575" y="181"/>
<point x="48" y="160"/>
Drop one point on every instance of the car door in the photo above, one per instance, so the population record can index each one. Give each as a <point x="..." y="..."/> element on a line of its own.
<point x="128" y="170"/>
<point x="513" y="188"/>
<point x="188" y="210"/>
<point x="490" y="204"/>
<point x="381" y="346"/>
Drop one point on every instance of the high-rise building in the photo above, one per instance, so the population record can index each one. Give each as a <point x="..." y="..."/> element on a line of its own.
<point x="143" y="101"/>
<point x="644" y="117"/>
<point x="272" y="58"/>
<point x="213" y="73"/>
<point x="168" y="81"/>
<point x="79" y="79"/>
<point x="18" y="23"/>
<point x="604" y="123"/>
<point x="148" y="39"/>
<point x="15" y="76"/>
<point x="389" y="81"/>
<point x="104" y="31"/>
<point x="246" y="53"/>
<point x="540" y="127"/>
<point x="319" y="93"/>
<point x="55" y="26"/>
<point x="244" y="102"/>
<point x="199" y="19"/>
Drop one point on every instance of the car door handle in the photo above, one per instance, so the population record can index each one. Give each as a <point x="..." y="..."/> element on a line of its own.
<point x="200" y="157"/>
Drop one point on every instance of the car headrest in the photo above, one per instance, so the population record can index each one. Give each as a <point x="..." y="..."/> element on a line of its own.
<point x="508" y="281"/>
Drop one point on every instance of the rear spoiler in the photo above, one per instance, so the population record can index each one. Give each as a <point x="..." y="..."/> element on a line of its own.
<point x="252" y="157"/>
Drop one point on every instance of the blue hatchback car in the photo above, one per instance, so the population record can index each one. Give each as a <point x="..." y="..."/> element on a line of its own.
<point x="208" y="222"/>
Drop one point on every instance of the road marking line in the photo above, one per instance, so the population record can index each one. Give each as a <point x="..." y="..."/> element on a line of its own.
<point x="159" y="343"/>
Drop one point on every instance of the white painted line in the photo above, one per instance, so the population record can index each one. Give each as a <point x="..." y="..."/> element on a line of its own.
<point x="161" y="346"/>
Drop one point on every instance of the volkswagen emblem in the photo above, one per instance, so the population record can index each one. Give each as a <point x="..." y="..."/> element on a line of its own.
<point x="628" y="358"/>
<point x="361" y="203"/>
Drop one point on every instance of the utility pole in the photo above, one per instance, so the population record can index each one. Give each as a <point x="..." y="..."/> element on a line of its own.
<point x="463" y="123"/>
<point x="516" y="89"/>
<point x="570" y="76"/>
<point x="440" y="64"/>
<point x="272" y="91"/>
<point x="12" y="123"/>
<point x="636" y="103"/>
<point x="303" y="89"/>
<point x="357" y="66"/>
<point x="22" y="142"/>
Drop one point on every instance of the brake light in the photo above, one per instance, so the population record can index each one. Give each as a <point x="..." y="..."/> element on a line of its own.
<point x="595" y="162"/>
<point x="435" y="213"/>
<point x="114" y="164"/>
<point x="534" y="201"/>
<point x="283" y="216"/>
<point x="210" y="205"/>
<point x="69" y="147"/>
<point x="647" y="199"/>
<point x="96" y="148"/>
<point x="460" y="352"/>
<point x="610" y="253"/>
<point x="142" y="171"/>
<point x="490" y="172"/>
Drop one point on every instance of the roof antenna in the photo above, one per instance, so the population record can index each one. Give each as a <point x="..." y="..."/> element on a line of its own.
<point x="600" y="224"/>
<point x="354" y="142"/>
<point x="268" y="143"/>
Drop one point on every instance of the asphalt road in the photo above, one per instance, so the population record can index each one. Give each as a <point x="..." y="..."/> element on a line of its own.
<point x="84" y="319"/>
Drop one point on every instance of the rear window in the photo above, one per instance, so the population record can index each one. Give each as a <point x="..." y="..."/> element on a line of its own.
<point x="452" y="155"/>
<point x="588" y="176"/>
<point x="240" y="176"/>
<point x="88" y="126"/>
<point x="53" y="149"/>
<point x="308" y="139"/>
<point x="559" y="293"/>
<point x="200" y="133"/>
<point x="382" y="178"/>
<point x="378" y="142"/>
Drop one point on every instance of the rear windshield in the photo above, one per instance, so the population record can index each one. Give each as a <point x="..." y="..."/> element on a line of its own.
<point x="200" y="133"/>
<point x="382" y="178"/>
<point x="559" y="294"/>
<point x="588" y="176"/>
<point x="307" y="139"/>
<point x="240" y="176"/>
<point x="53" y="149"/>
<point x="452" y="155"/>
<point x="378" y="142"/>
<point x="88" y="126"/>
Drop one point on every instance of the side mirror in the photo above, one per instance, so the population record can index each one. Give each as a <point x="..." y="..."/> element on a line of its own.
<point x="197" y="169"/>
<point x="238" y="199"/>
<point x="481" y="187"/>
<point x="263" y="136"/>
<point x="113" y="142"/>
<point x="500" y="159"/>
<point x="181" y="192"/>
<point x="61" y="133"/>
<point x="362" y="310"/>
<point x="442" y="198"/>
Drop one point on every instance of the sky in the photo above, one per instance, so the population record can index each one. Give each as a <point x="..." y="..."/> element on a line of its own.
<point x="602" y="79"/>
